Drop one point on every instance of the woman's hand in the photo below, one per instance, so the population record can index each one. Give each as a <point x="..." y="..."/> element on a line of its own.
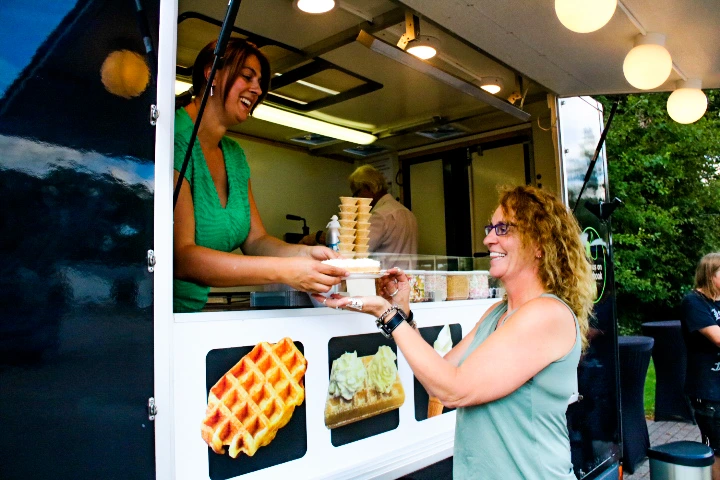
<point x="395" y="288"/>
<point x="309" y="275"/>
<point x="319" y="252"/>
<point x="374" y="306"/>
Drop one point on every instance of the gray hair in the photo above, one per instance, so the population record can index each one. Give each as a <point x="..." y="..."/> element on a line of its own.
<point x="366" y="176"/>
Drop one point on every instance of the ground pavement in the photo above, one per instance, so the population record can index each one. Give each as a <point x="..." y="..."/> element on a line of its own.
<point x="660" y="434"/>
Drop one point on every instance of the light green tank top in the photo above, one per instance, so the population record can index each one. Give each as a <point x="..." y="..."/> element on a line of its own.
<point x="524" y="435"/>
<point x="219" y="228"/>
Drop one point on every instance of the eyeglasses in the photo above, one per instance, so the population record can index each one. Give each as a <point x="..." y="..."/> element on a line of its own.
<point x="500" y="228"/>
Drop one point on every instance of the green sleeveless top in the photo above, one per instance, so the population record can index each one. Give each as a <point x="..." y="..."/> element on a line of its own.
<point x="219" y="228"/>
<point x="523" y="435"/>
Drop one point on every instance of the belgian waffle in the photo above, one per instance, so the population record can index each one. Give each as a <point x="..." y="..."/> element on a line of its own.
<point x="255" y="398"/>
<point x="365" y="403"/>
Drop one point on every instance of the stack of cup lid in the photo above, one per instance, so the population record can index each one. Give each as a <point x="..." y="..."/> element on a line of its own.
<point x="362" y="234"/>
<point x="348" y="222"/>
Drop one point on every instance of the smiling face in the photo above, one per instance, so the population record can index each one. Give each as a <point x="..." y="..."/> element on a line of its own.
<point x="243" y="94"/>
<point x="509" y="259"/>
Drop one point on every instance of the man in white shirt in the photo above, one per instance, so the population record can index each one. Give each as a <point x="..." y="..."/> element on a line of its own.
<point x="393" y="228"/>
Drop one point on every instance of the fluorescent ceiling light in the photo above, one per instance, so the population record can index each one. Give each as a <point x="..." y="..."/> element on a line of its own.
<point x="300" y="122"/>
<point x="307" y="124"/>
<point x="312" y="85"/>
<point x="315" y="6"/>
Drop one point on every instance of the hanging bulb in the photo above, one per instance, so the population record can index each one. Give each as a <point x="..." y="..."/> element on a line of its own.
<point x="648" y="64"/>
<point x="583" y="16"/>
<point x="688" y="103"/>
<point x="315" y="6"/>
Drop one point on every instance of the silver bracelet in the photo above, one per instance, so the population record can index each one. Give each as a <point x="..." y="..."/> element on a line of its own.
<point x="381" y="318"/>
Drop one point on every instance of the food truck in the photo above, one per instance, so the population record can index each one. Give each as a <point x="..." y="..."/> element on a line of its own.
<point x="99" y="378"/>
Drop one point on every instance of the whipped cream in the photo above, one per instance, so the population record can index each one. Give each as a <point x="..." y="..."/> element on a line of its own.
<point x="443" y="344"/>
<point x="382" y="370"/>
<point x="347" y="376"/>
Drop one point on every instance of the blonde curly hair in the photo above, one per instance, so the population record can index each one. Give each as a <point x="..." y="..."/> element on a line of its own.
<point x="564" y="269"/>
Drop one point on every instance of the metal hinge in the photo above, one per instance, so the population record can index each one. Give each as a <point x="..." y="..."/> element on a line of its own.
<point x="154" y="115"/>
<point x="151" y="261"/>
<point x="152" y="409"/>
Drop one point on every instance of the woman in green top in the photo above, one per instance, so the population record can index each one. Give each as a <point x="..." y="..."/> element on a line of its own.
<point x="216" y="212"/>
<point x="512" y="376"/>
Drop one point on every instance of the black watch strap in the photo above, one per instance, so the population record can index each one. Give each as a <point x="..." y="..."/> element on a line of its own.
<point x="387" y="328"/>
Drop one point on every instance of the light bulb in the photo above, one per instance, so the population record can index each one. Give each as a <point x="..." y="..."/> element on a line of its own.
<point x="648" y="64"/>
<point x="423" y="47"/>
<point x="583" y="16"/>
<point x="491" y="84"/>
<point x="688" y="103"/>
<point x="315" y="6"/>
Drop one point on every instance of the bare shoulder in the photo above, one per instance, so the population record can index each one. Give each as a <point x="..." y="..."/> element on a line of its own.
<point x="547" y="312"/>
<point x="487" y="312"/>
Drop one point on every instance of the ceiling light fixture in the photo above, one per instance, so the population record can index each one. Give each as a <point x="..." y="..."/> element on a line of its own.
<point x="584" y="16"/>
<point x="422" y="46"/>
<point x="300" y="122"/>
<point x="307" y="124"/>
<point x="688" y="103"/>
<point x="648" y="64"/>
<point x="491" y="84"/>
<point x="315" y="6"/>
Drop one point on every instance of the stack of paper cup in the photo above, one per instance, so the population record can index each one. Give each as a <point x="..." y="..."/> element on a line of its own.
<point x="362" y="234"/>
<point x="348" y="214"/>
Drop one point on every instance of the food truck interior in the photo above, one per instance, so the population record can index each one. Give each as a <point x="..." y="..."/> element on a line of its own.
<point x="100" y="379"/>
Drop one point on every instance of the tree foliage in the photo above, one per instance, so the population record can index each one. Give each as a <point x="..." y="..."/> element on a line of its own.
<point x="668" y="176"/>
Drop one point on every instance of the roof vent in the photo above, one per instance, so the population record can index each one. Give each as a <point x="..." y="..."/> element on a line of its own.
<point x="442" y="132"/>
<point x="313" y="139"/>
<point x="366" y="150"/>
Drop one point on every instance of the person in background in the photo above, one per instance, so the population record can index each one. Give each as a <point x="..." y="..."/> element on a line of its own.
<point x="393" y="228"/>
<point x="512" y="376"/>
<point x="701" y="332"/>
<point x="216" y="212"/>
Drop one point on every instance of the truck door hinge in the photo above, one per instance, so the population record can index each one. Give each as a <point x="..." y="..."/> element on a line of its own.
<point x="151" y="260"/>
<point x="154" y="115"/>
<point x="152" y="409"/>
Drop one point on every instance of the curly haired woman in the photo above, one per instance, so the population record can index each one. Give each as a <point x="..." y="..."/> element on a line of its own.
<point x="512" y="376"/>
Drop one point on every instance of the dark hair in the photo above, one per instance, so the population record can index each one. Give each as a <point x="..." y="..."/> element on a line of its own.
<point x="236" y="54"/>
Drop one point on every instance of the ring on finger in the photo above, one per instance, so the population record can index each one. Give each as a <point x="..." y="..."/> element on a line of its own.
<point x="356" y="303"/>
<point x="395" y="292"/>
<point x="325" y="301"/>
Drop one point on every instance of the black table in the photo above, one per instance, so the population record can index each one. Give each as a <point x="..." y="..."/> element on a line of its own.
<point x="670" y="358"/>
<point x="634" y="361"/>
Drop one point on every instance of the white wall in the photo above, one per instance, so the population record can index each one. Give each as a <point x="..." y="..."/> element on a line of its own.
<point x="289" y="181"/>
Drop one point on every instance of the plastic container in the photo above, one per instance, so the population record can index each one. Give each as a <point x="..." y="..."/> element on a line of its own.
<point x="479" y="284"/>
<point x="436" y="285"/>
<point x="458" y="285"/>
<point x="418" y="286"/>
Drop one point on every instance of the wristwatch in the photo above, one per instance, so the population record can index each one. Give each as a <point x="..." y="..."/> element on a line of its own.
<point x="386" y="328"/>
